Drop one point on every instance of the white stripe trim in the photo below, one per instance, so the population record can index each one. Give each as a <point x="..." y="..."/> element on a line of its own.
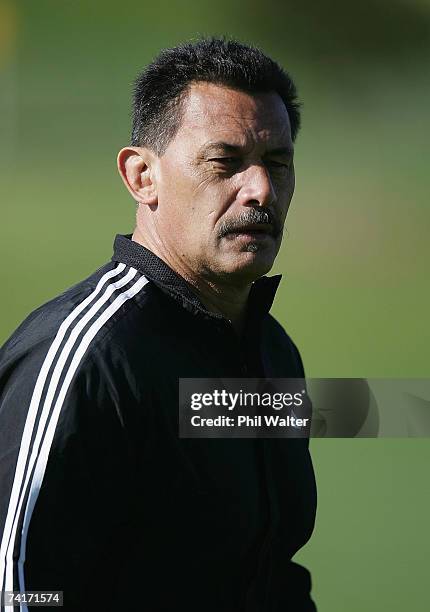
<point x="33" y="410"/>
<point x="65" y="353"/>
<point x="47" y="442"/>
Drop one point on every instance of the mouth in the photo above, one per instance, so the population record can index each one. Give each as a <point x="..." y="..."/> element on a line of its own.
<point x="254" y="230"/>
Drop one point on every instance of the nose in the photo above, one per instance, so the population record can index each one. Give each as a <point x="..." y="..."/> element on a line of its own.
<point x="257" y="187"/>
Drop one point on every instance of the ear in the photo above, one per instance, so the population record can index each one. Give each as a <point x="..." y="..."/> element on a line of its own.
<point x="136" y="165"/>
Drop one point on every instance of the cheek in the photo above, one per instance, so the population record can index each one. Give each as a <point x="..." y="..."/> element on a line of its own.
<point x="173" y="183"/>
<point x="192" y="199"/>
<point x="285" y="186"/>
<point x="284" y="190"/>
<point x="292" y="178"/>
<point x="208" y="182"/>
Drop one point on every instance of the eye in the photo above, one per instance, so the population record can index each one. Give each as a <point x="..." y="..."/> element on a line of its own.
<point x="277" y="164"/>
<point x="224" y="160"/>
<point x="225" y="166"/>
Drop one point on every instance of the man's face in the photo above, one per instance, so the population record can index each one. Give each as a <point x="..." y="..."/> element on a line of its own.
<point x="225" y="183"/>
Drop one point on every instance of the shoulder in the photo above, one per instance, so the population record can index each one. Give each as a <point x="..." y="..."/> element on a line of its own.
<point x="77" y="331"/>
<point x="65" y="362"/>
<point x="84" y="309"/>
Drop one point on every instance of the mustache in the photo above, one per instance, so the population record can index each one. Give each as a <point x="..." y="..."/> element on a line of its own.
<point x="251" y="216"/>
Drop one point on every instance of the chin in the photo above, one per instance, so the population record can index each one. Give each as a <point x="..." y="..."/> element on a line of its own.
<point x="251" y="265"/>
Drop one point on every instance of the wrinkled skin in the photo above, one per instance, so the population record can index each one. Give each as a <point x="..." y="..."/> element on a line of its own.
<point x="213" y="205"/>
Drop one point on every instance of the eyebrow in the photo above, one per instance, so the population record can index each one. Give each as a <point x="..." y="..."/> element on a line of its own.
<point x="281" y="151"/>
<point x="226" y="147"/>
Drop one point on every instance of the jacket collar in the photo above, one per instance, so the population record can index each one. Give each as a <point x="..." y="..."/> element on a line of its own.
<point x="133" y="254"/>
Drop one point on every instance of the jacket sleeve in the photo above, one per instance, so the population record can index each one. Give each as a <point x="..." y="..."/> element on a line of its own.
<point x="67" y="476"/>
<point x="290" y="581"/>
<point x="296" y="590"/>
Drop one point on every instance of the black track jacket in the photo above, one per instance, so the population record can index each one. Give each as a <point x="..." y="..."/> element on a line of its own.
<point x="100" y="498"/>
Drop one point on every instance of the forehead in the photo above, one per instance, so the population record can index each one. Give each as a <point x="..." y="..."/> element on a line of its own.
<point x="214" y="112"/>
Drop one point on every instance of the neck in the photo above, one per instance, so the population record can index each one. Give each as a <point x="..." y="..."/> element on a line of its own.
<point x="217" y="295"/>
<point x="228" y="301"/>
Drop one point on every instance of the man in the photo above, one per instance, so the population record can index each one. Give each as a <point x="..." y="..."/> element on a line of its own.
<point x="101" y="499"/>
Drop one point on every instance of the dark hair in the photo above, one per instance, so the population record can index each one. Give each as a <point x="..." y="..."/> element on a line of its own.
<point x="161" y="87"/>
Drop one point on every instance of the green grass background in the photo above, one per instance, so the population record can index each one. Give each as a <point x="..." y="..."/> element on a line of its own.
<point x="355" y="295"/>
